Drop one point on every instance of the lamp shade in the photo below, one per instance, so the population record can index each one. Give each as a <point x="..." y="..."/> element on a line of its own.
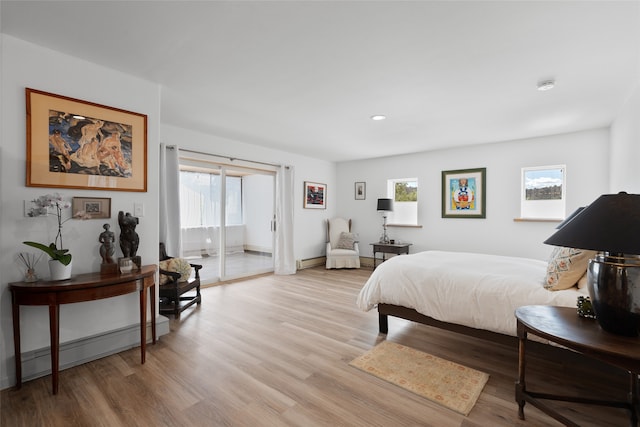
<point x="610" y="224"/>
<point x="570" y="217"/>
<point x="385" y="205"/>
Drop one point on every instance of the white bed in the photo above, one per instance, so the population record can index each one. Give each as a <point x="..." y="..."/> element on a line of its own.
<point x="473" y="290"/>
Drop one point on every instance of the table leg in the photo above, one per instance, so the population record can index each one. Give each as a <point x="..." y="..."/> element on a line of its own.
<point x="143" y="323"/>
<point x="152" y="297"/>
<point x="633" y="398"/>
<point x="520" y="385"/>
<point x="54" y="332"/>
<point x="15" y="311"/>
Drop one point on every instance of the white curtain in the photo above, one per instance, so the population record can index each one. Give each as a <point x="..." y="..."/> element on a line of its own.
<point x="170" y="200"/>
<point x="284" y="261"/>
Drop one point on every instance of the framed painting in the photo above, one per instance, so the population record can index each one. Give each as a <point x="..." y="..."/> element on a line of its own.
<point x="361" y="191"/>
<point x="78" y="144"/>
<point x="315" y="195"/>
<point x="91" y="207"/>
<point x="463" y="193"/>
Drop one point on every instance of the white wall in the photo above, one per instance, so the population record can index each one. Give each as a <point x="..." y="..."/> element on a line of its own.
<point x="584" y="153"/>
<point x="309" y="228"/>
<point x="28" y="65"/>
<point x="625" y="147"/>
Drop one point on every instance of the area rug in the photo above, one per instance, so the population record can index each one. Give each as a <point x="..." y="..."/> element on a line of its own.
<point x="447" y="383"/>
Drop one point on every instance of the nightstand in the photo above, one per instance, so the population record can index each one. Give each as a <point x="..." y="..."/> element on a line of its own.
<point x="389" y="248"/>
<point x="563" y="326"/>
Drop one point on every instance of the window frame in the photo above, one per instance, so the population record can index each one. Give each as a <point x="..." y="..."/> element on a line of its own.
<point x="404" y="213"/>
<point x="543" y="209"/>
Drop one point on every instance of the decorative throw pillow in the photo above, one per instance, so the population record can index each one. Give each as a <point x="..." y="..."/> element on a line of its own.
<point x="566" y="266"/>
<point x="179" y="265"/>
<point x="346" y="241"/>
<point x="582" y="283"/>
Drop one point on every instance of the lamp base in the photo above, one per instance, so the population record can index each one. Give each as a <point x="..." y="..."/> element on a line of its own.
<point x="614" y="288"/>
<point x="385" y="237"/>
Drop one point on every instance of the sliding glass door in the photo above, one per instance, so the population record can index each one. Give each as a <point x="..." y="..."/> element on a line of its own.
<point x="226" y="219"/>
<point x="249" y="238"/>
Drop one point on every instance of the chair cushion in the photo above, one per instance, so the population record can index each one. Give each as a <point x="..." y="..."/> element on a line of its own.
<point x="346" y="241"/>
<point x="179" y="265"/>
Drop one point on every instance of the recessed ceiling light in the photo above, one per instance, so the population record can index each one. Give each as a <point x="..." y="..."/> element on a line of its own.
<point x="79" y="117"/>
<point x="378" y="117"/>
<point x="546" y="85"/>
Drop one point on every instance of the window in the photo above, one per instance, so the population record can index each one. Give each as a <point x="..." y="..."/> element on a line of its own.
<point x="200" y="199"/>
<point x="404" y="193"/>
<point x="543" y="192"/>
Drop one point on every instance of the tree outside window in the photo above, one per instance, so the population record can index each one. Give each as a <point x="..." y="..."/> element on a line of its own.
<point x="404" y="192"/>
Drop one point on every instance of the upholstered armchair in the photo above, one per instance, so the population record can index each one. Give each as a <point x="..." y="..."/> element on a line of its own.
<point x="342" y="245"/>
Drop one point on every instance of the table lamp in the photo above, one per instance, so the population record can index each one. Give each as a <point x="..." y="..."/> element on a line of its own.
<point x="611" y="226"/>
<point x="385" y="205"/>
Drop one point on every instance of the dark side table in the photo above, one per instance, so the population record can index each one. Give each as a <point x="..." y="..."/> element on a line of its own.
<point x="80" y="288"/>
<point x="389" y="248"/>
<point x="563" y="326"/>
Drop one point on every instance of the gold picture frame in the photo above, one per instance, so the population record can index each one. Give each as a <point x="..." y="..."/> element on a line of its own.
<point x="79" y="144"/>
<point x="91" y="207"/>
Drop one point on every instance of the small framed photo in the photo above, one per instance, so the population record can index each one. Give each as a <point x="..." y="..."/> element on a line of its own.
<point x="361" y="191"/>
<point x="463" y="193"/>
<point x="315" y="195"/>
<point x="91" y="207"/>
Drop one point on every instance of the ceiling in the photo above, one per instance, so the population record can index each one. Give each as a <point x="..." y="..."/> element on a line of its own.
<point x="305" y="76"/>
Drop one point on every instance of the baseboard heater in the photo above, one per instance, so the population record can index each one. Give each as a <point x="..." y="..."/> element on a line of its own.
<point x="37" y="363"/>
<point x="301" y="264"/>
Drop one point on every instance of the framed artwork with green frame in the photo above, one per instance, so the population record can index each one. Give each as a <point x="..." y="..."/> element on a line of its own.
<point x="464" y="193"/>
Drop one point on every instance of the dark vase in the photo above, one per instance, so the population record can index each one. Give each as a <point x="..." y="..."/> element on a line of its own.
<point x="614" y="288"/>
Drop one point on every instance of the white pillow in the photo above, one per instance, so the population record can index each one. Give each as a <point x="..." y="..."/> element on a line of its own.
<point x="178" y="265"/>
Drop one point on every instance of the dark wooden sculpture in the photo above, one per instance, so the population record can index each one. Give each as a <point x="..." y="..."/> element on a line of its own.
<point x="107" y="249"/>
<point x="129" y="239"/>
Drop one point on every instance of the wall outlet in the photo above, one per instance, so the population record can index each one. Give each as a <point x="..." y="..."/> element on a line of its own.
<point x="138" y="209"/>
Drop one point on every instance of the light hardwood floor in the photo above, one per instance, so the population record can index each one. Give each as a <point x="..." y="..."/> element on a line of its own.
<point x="274" y="351"/>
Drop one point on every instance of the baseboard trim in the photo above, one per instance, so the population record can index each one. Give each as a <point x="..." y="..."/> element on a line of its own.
<point x="301" y="264"/>
<point x="37" y="363"/>
<point x="366" y="262"/>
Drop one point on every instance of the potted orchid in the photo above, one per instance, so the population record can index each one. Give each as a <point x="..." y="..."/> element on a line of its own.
<point x="60" y="262"/>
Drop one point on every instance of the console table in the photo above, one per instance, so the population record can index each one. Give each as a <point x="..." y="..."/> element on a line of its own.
<point x="82" y="287"/>
<point x="563" y="326"/>
<point x="389" y="248"/>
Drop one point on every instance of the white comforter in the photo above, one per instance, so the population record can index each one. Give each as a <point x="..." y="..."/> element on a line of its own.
<point x="477" y="290"/>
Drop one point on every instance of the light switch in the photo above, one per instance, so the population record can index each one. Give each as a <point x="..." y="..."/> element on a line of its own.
<point x="138" y="209"/>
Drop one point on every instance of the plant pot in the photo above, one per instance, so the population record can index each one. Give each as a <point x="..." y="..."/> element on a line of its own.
<point x="58" y="270"/>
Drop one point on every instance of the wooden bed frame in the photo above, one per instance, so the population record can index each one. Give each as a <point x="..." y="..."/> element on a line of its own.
<point x="385" y="310"/>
